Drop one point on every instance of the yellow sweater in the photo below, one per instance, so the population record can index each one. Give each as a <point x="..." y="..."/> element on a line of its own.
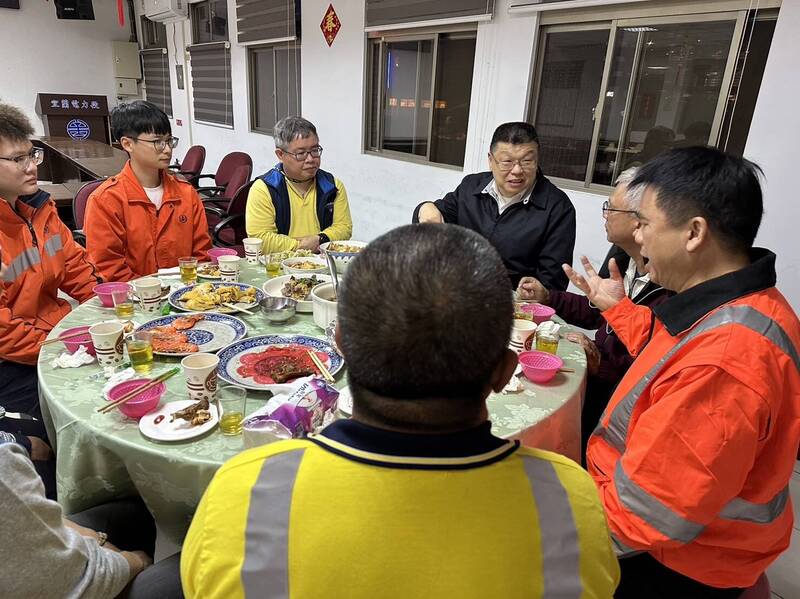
<point x="260" y="217"/>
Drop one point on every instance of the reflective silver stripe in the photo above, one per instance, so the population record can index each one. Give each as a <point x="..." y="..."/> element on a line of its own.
<point x="27" y="259"/>
<point x="265" y="572"/>
<point x="621" y="549"/>
<point x="561" y="572"/>
<point x="617" y="430"/>
<point x="52" y="245"/>
<point x="760" y="513"/>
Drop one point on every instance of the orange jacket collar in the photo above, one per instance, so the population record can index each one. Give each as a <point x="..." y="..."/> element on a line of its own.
<point x="135" y="191"/>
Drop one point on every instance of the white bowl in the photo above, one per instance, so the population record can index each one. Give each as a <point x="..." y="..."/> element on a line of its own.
<point x="342" y="259"/>
<point x="324" y="307"/>
<point x="290" y="268"/>
<point x="274" y="288"/>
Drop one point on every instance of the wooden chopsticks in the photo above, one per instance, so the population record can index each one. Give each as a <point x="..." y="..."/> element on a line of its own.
<point x="318" y="363"/>
<point x="128" y="396"/>
<point x="62" y="337"/>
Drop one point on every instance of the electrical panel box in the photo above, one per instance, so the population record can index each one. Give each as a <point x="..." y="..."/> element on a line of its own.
<point x="126" y="60"/>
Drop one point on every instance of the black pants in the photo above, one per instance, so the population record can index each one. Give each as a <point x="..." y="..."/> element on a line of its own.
<point x="130" y="528"/>
<point x="598" y="394"/>
<point x="644" y="577"/>
<point x="19" y="389"/>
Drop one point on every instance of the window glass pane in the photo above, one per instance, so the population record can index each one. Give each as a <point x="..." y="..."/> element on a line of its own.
<point x="678" y="79"/>
<point x="287" y="81"/>
<point x="201" y="23"/>
<point x="407" y="105"/>
<point x="262" y="84"/>
<point x="572" y="72"/>
<point x="454" y="64"/>
<point x="219" y="20"/>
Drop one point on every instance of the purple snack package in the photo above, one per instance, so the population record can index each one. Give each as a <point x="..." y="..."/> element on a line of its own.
<point x="303" y="411"/>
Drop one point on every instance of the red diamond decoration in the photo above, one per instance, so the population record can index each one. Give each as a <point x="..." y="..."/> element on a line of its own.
<point x="330" y="25"/>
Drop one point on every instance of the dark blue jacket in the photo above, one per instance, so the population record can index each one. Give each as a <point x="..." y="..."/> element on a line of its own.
<point x="275" y="181"/>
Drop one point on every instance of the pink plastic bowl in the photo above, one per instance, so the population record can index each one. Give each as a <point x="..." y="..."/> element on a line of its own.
<point x="141" y="404"/>
<point x="215" y="253"/>
<point x="104" y="291"/>
<point x="539" y="366"/>
<point x="540" y="312"/>
<point x="73" y="343"/>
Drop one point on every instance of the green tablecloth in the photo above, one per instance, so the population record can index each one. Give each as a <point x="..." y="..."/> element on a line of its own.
<point x="103" y="456"/>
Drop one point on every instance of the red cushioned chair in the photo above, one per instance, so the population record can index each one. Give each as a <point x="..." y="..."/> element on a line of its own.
<point x="227" y="168"/>
<point x="192" y="164"/>
<point x="228" y="226"/>
<point x="79" y="209"/>
<point x="239" y="177"/>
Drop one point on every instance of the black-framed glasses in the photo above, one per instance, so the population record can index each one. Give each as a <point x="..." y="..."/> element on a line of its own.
<point x="301" y="156"/>
<point x="36" y="156"/>
<point x="526" y="164"/>
<point x="607" y="209"/>
<point x="160" y="144"/>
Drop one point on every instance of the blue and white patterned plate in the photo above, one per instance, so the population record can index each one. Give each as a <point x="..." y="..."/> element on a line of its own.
<point x="211" y="334"/>
<point x="230" y="357"/>
<point x="175" y="298"/>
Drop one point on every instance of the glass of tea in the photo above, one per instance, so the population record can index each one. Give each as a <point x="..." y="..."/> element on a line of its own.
<point x="140" y="351"/>
<point x="273" y="262"/>
<point x="123" y="303"/>
<point x="232" y="402"/>
<point x="188" y="268"/>
<point x="547" y="342"/>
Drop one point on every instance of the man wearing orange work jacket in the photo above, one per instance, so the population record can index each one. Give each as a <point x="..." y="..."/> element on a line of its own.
<point x="694" y="454"/>
<point x="144" y="218"/>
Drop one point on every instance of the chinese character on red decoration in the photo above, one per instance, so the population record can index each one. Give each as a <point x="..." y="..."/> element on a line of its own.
<point x="330" y="25"/>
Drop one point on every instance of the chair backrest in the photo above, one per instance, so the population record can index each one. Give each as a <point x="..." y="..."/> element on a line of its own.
<point x="237" y="206"/>
<point x="81" y="199"/>
<point x="193" y="161"/>
<point x="239" y="177"/>
<point x="228" y="166"/>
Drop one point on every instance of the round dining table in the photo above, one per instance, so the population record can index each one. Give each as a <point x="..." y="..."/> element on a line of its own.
<point x="101" y="457"/>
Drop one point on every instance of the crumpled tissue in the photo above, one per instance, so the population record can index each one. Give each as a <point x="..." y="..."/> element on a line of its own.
<point x="548" y="328"/>
<point x="118" y="377"/>
<point x="68" y="360"/>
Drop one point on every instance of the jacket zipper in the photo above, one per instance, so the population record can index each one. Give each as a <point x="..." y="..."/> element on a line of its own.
<point x="33" y="232"/>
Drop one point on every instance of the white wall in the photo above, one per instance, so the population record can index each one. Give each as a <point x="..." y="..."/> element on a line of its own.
<point x="56" y="56"/>
<point x="771" y="143"/>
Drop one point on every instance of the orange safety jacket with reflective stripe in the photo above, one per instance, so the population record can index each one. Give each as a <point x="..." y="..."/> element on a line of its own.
<point x="126" y="236"/>
<point x="694" y="453"/>
<point x="41" y="258"/>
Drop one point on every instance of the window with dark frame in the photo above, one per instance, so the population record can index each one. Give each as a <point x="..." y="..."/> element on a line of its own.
<point x="155" y="65"/>
<point x="209" y="21"/>
<point x="419" y="96"/>
<point x="611" y="95"/>
<point x="210" y="63"/>
<point x="274" y="76"/>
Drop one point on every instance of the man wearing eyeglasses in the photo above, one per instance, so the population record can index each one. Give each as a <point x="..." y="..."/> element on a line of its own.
<point x="529" y="220"/>
<point x="144" y="218"/>
<point x="38" y="258"/>
<point x="297" y="205"/>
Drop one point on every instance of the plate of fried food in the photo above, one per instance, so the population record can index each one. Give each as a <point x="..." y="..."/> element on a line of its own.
<point x="179" y="420"/>
<point x="297" y="287"/>
<point x="184" y="334"/>
<point x="260" y="363"/>
<point x="212" y="297"/>
<point x="209" y="270"/>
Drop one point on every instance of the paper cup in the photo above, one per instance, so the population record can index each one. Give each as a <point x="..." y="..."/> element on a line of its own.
<point x="229" y="268"/>
<point x="252" y="247"/>
<point x="200" y="371"/>
<point x="107" y="339"/>
<point x="521" y="331"/>
<point x="149" y="291"/>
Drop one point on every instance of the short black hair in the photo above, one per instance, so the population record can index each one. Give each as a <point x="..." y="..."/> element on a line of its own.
<point x="131" y="119"/>
<point x="425" y="312"/>
<point x="704" y="181"/>
<point x="14" y="125"/>
<point x="514" y="133"/>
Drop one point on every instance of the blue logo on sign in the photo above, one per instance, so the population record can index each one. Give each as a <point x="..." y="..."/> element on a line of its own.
<point x="78" y="129"/>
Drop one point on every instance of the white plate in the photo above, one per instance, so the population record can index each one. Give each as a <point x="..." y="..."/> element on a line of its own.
<point x="176" y="302"/>
<point x="274" y="286"/>
<point x="345" y="401"/>
<point x="179" y="430"/>
<point x="200" y="274"/>
<point x="212" y="333"/>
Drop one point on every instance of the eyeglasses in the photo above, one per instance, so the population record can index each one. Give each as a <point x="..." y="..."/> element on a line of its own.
<point x="302" y="154"/>
<point x="606" y="210"/>
<point x="36" y="155"/>
<point x="527" y="164"/>
<point x="159" y="144"/>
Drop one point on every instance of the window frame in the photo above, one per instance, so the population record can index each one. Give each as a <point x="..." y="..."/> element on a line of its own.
<point x="704" y="14"/>
<point x="251" y="50"/>
<point x="373" y="106"/>
<point x="193" y="8"/>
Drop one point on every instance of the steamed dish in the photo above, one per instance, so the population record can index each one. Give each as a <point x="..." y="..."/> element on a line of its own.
<point x="206" y="296"/>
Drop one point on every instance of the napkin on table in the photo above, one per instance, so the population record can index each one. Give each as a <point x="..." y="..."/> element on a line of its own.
<point x="68" y="360"/>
